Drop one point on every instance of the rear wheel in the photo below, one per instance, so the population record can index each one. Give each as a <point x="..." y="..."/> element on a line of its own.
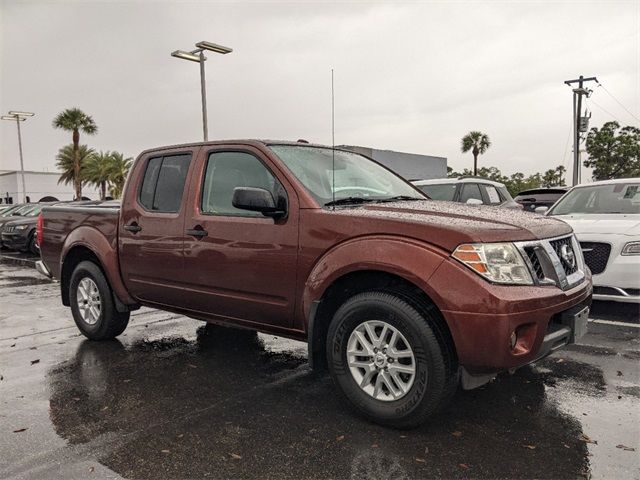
<point x="92" y="304"/>
<point x="385" y="358"/>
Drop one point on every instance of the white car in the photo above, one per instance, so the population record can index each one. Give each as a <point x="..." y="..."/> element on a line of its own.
<point x="605" y="217"/>
<point x="470" y="190"/>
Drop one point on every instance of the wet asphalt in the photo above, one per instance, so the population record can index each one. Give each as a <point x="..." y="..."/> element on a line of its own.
<point x="175" y="398"/>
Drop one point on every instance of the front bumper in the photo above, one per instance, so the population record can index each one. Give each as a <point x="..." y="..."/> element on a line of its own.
<point x="482" y="317"/>
<point x="15" y="241"/>
<point x="620" y="280"/>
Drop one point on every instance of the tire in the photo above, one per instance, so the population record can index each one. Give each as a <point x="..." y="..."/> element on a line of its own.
<point x="31" y="246"/>
<point x="96" y="320"/>
<point x="391" y="404"/>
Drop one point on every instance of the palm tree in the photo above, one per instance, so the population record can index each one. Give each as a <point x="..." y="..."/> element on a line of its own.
<point x="75" y="120"/>
<point x="66" y="163"/>
<point x="97" y="171"/>
<point x="478" y="143"/>
<point x="120" y="167"/>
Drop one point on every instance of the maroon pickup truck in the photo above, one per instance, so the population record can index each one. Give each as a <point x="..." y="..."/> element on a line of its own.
<point x="401" y="297"/>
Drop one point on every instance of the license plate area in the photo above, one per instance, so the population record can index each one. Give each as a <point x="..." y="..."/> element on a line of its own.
<point x="576" y="319"/>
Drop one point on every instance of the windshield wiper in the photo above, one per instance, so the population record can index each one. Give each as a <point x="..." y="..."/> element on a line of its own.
<point x="349" y="201"/>
<point x="399" y="198"/>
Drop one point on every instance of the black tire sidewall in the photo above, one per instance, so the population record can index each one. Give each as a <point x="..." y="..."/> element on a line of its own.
<point x="428" y="386"/>
<point x="92" y="271"/>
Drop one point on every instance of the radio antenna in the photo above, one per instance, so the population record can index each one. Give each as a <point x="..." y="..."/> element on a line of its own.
<point x="333" y="144"/>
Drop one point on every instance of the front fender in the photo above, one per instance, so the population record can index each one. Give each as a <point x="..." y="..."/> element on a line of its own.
<point x="107" y="253"/>
<point x="407" y="258"/>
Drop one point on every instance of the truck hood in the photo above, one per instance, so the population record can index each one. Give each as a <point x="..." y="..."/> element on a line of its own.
<point x="607" y="224"/>
<point x="450" y="224"/>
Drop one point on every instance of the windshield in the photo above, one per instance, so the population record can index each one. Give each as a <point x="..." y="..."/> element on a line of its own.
<point x="442" y="191"/>
<point x="356" y="177"/>
<point x="23" y="210"/>
<point x="611" y="198"/>
<point x="9" y="210"/>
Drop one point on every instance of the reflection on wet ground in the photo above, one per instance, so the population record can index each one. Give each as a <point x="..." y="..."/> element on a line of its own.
<point x="224" y="406"/>
<point x="178" y="399"/>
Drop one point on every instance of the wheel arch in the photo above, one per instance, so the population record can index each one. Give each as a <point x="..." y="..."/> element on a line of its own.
<point x="349" y="284"/>
<point x="79" y="253"/>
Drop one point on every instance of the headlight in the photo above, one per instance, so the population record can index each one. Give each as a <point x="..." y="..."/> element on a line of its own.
<point x="19" y="227"/>
<point x="497" y="262"/>
<point x="631" y="248"/>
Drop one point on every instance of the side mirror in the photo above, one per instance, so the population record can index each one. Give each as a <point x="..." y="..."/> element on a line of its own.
<point x="474" y="201"/>
<point x="257" y="200"/>
<point x="541" y="210"/>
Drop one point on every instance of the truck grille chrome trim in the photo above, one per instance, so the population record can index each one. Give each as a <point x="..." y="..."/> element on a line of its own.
<point x="554" y="261"/>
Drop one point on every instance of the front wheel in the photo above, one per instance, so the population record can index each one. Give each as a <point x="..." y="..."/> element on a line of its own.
<point x="386" y="360"/>
<point x="92" y="304"/>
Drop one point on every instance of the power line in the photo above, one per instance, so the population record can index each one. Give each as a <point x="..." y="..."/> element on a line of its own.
<point x="618" y="101"/>
<point x="591" y="100"/>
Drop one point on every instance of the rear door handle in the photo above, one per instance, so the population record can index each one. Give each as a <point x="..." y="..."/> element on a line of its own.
<point x="133" y="227"/>
<point x="197" y="232"/>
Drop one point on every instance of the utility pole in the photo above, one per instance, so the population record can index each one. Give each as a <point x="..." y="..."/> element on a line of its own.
<point x="577" y="115"/>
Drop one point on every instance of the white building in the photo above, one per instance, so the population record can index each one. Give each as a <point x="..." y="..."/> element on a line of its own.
<point x="38" y="185"/>
<point x="411" y="166"/>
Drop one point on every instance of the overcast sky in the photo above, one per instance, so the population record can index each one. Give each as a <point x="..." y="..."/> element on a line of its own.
<point x="413" y="76"/>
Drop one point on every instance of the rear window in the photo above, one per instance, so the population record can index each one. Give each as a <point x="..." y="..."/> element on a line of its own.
<point x="163" y="183"/>
<point x="469" y="191"/>
<point x="443" y="191"/>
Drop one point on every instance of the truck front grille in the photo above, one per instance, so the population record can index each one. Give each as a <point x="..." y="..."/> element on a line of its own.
<point x="535" y="262"/>
<point x="556" y="261"/>
<point x="564" y="249"/>
<point x="596" y="255"/>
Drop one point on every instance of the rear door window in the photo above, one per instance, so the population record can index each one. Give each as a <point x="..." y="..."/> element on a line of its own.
<point x="470" y="190"/>
<point x="163" y="183"/>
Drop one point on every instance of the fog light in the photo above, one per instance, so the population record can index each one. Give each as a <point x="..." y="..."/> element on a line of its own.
<point x="513" y="340"/>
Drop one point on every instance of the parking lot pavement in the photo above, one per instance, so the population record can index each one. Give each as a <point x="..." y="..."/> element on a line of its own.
<point x="173" y="398"/>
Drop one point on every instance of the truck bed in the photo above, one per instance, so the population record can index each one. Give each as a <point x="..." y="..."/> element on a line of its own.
<point x="67" y="224"/>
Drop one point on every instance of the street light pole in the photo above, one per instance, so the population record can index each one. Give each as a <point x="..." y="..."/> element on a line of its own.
<point x="19" y="117"/>
<point x="24" y="188"/>
<point x="197" y="55"/>
<point x="203" y="91"/>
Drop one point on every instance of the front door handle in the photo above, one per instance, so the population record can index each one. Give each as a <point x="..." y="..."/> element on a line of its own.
<point x="133" y="227"/>
<point x="197" y="232"/>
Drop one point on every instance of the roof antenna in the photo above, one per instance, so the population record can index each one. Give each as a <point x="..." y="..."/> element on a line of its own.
<point x="333" y="145"/>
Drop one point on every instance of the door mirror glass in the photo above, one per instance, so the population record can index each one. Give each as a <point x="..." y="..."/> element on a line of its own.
<point x="474" y="201"/>
<point x="256" y="200"/>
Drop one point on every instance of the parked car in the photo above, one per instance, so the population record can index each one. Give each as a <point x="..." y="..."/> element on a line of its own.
<point x="540" y="197"/>
<point x="470" y="190"/>
<point x="606" y="219"/>
<point x="401" y="297"/>
<point x="15" y="213"/>
<point x="19" y="234"/>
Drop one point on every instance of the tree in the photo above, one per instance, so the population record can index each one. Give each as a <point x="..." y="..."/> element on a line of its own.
<point x="120" y="167"/>
<point x="76" y="121"/>
<point x="553" y="177"/>
<point x="66" y="163"/>
<point x="613" y="153"/>
<point x="477" y="143"/>
<point x="97" y="171"/>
